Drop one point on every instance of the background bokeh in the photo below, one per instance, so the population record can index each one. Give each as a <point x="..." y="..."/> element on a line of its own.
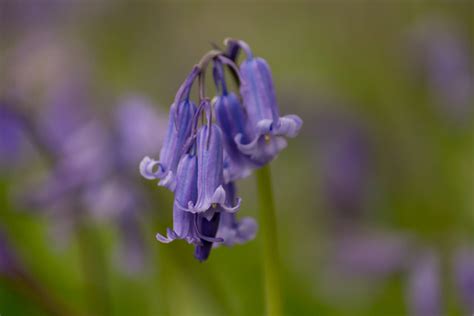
<point x="374" y="198"/>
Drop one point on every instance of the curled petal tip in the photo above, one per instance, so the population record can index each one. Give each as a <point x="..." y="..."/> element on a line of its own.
<point x="289" y="126"/>
<point x="232" y="209"/>
<point x="163" y="239"/>
<point x="146" y="168"/>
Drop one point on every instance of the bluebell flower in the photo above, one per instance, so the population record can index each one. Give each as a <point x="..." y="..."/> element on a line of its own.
<point x="268" y="131"/>
<point x="424" y="286"/>
<point x="184" y="223"/>
<point x="211" y="196"/>
<point x="464" y="277"/>
<point x="232" y="119"/>
<point x="231" y="230"/>
<point x="179" y="130"/>
<point x="194" y="228"/>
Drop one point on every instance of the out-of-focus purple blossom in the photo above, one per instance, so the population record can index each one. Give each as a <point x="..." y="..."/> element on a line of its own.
<point x="345" y="159"/>
<point x="442" y="55"/>
<point x="24" y="15"/>
<point x="9" y="263"/>
<point x="66" y="111"/>
<point x="11" y="136"/>
<point x="424" y="286"/>
<point x="132" y="252"/>
<point x="231" y="230"/>
<point x="88" y="171"/>
<point x="80" y="161"/>
<point x="110" y="197"/>
<point x="464" y="277"/>
<point x="140" y="128"/>
<point x="268" y="131"/>
<point x="42" y="66"/>
<point x="370" y="254"/>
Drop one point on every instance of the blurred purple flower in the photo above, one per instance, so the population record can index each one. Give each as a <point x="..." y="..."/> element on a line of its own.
<point x="464" y="277"/>
<point x="43" y="68"/>
<point x="424" y="286"/>
<point x="443" y="55"/>
<point x="92" y="168"/>
<point x="132" y="252"/>
<point x="11" y="136"/>
<point x="65" y="112"/>
<point x="9" y="263"/>
<point x="22" y="15"/>
<point x="370" y="254"/>
<point x="345" y="160"/>
<point x="80" y="160"/>
<point x="140" y="128"/>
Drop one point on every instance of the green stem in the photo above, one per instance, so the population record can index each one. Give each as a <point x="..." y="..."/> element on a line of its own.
<point x="31" y="289"/>
<point x="94" y="268"/>
<point x="268" y="231"/>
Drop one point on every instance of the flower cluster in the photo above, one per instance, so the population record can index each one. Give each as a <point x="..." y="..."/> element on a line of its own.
<point x="210" y="145"/>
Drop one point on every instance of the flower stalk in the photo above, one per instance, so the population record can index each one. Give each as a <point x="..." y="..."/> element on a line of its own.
<point x="268" y="230"/>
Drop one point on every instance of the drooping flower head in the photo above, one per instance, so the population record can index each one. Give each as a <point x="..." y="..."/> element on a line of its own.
<point x="268" y="131"/>
<point x="200" y="195"/>
<point x="199" y="162"/>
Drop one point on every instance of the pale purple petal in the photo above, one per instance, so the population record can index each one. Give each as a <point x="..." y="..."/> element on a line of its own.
<point x="424" y="286"/>
<point x="464" y="277"/>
